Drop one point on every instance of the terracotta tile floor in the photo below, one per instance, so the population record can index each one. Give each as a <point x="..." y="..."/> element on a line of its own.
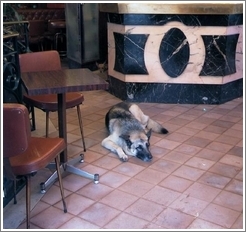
<point x="195" y="180"/>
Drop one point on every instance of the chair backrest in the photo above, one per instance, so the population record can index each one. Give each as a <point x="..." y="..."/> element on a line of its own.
<point x="16" y="129"/>
<point x="37" y="28"/>
<point x="40" y="61"/>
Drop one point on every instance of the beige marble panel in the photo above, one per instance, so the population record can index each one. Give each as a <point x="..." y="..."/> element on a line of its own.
<point x="197" y="53"/>
<point x="173" y="7"/>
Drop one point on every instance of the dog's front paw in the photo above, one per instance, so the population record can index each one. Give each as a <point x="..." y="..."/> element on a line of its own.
<point x="124" y="158"/>
<point x="122" y="155"/>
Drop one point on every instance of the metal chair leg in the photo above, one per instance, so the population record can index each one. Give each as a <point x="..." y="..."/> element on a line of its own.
<point x="81" y="126"/>
<point x="28" y="200"/>
<point x="15" y="201"/>
<point x="60" y="183"/>
<point x="47" y="124"/>
<point x="33" y="118"/>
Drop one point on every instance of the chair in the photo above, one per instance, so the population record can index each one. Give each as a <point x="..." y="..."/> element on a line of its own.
<point x="37" y="29"/>
<point x="24" y="155"/>
<point x="57" y="35"/>
<point x="46" y="61"/>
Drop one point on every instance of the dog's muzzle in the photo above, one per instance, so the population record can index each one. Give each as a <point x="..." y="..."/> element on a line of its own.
<point x="145" y="156"/>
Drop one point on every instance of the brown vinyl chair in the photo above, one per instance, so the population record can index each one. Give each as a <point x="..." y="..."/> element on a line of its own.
<point x="36" y="33"/>
<point x="47" y="61"/>
<point x="24" y="155"/>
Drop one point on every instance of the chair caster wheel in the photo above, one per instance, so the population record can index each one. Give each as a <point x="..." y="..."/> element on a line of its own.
<point x="42" y="187"/>
<point x="81" y="158"/>
<point x="96" y="178"/>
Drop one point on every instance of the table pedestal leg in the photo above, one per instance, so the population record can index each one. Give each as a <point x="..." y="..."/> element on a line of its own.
<point x="69" y="167"/>
<point x="66" y="166"/>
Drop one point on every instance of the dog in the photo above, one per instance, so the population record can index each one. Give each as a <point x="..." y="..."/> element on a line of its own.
<point x="102" y="67"/>
<point x="129" y="131"/>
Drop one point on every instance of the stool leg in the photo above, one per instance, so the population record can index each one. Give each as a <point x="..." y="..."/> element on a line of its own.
<point x="56" y="41"/>
<point x="60" y="39"/>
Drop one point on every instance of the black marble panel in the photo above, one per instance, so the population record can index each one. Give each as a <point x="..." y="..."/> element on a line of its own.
<point x="174" y="52"/>
<point x="117" y="88"/>
<point x="129" y="53"/>
<point x="189" y="20"/>
<point x="220" y="55"/>
<point x="175" y="93"/>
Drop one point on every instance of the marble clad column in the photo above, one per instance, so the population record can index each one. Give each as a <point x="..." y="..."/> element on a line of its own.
<point x="192" y="58"/>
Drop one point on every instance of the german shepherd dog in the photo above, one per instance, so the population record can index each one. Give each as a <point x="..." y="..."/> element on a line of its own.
<point x="129" y="131"/>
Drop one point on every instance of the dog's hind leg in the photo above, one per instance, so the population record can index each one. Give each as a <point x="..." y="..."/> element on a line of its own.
<point x="139" y="115"/>
<point x="110" y="145"/>
<point x="146" y="121"/>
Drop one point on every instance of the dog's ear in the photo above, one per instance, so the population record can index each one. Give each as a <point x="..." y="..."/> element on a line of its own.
<point x="149" y="133"/>
<point x="126" y="138"/>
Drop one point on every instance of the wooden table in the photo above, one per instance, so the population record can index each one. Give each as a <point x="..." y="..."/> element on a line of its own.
<point x="59" y="82"/>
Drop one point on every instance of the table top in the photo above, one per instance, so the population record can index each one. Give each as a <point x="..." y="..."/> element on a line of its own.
<point x="62" y="81"/>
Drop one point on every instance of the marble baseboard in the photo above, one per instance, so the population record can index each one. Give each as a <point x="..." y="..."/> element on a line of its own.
<point x="175" y="93"/>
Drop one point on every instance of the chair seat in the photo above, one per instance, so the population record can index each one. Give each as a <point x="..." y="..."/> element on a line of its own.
<point x="48" y="102"/>
<point x="30" y="161"/>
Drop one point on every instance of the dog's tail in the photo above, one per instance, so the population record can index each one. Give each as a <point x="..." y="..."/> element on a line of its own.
<point x="156" y="127"/>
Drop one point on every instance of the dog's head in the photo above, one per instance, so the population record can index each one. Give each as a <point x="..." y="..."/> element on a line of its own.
<point x="137" y="144"/>
<point x="102" y="67"/>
